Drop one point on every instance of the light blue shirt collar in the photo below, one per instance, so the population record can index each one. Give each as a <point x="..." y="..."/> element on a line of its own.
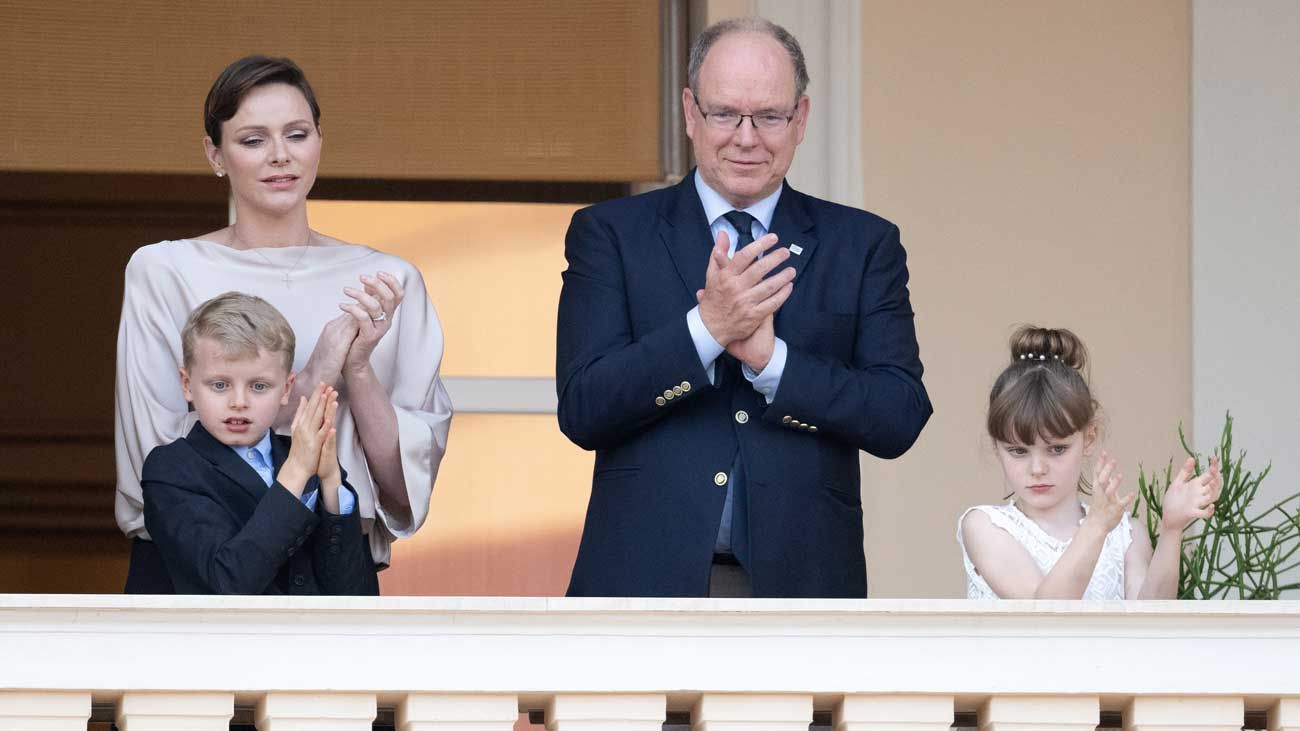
<point x="263" y="448"/>
<point x="715" y="205"/>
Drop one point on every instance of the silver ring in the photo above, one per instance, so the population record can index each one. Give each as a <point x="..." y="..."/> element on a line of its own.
<point x="382" y="316"/>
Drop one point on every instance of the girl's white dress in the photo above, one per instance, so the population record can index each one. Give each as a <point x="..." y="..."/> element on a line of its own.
<point x="1107" y="579"/>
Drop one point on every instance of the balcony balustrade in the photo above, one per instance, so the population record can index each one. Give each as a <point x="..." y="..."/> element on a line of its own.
<point x="473" y="664"/>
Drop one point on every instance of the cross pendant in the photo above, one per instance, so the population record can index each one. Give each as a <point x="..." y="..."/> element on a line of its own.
<point x="288" y="283"/>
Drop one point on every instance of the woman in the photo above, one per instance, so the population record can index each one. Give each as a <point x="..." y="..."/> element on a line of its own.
<point x="382" y="351"/>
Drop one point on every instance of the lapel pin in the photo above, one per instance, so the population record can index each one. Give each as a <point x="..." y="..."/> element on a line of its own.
<point x="796" y="249"/>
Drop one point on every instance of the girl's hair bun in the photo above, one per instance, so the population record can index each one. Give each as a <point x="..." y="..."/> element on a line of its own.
<point x="1030" y="343"/>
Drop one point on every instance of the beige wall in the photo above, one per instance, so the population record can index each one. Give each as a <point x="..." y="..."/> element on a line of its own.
<point x="1036" y="157"/>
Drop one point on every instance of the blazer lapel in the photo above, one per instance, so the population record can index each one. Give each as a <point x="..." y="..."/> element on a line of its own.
<point x="685" y="232"/>
<point x="794" y="229"/>
<point x="279" y="453"/>
<point x="226" y="461"/>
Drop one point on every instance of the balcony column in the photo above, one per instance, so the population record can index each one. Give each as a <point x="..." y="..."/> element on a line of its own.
<point x="746" y="712"/>
<point x="1184" y="713"/>
<point x="458" y="712"/>
<point x="601" y="712"/>
<point x="315" y="712"/>
<point x="44" y="710"/>
<point x="870" y="712"/>
<point x="1285" y="715"/>
<point x="175" y="711"/>
<point x="1040" y="713"/>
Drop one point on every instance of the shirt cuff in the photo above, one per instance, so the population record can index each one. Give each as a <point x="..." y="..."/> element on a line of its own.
<point x="705" y="346"/>
<point x="347" y="503"/>
<point x="769" y="380"/>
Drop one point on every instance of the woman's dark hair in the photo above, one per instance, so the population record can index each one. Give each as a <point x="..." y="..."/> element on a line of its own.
<point x="1043" y="392"/>
<point x="242" y="76"/>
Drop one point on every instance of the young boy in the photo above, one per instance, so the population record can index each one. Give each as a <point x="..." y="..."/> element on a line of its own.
<point x="233" y="507"/>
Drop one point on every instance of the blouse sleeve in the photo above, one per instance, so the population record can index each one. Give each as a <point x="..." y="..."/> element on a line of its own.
<point x="422" y="405"/>
<point x="150" y="409"/>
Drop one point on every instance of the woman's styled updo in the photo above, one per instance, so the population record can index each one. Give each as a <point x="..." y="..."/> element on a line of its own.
<point x="242" y="76"/>
<point x="1043" y="392"/>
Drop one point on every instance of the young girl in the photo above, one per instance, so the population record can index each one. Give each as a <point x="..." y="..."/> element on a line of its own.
<point x="1044" y="543"/>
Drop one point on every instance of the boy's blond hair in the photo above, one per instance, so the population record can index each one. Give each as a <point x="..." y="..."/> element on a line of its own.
<point x="242" y="324"/>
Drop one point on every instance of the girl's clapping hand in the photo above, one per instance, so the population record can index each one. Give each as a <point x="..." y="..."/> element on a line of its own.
<point x="1191" y="498"/>
<point x="1109" y="507"/>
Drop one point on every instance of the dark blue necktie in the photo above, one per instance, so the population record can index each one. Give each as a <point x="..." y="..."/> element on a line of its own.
<point x="736" y="494"/>
<point x="744" y="225"/>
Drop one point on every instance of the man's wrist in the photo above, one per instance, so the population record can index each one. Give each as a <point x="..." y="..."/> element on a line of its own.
<point x="758" y="366"/>
<point x="768" y="379"/>
<point x="716" y="332"/>
<point x="706" y="347"/>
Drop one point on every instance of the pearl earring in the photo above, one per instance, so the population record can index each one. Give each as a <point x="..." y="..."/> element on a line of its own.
<point x="220" y="174"/>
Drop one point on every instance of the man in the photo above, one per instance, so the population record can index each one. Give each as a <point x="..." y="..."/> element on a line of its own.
<point x="727" y="346"/>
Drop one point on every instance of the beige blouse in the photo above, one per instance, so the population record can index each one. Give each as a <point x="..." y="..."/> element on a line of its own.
<point x="165" y="281"/>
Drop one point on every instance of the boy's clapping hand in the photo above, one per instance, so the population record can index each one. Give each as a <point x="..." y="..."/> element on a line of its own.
<point x="311" y="429"/>
<point x="331" y="479"/>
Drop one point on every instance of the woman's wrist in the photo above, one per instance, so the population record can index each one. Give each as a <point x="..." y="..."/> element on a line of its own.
<point x="313" y="373"/>
<point x="358" y="373"/>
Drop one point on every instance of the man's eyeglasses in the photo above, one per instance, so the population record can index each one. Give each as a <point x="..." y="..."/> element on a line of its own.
<point x="762" y="121"/>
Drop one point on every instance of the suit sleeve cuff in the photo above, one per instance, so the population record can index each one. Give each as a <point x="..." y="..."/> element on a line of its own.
<point x="769" y="379"/>
<point x="705" y="346"/>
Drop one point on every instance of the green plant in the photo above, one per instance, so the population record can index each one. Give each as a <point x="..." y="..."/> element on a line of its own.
<point x="1239" y="552"/>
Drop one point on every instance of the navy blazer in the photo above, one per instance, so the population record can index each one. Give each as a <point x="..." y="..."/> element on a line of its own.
<point x="852" y="381"/>
<point x="220" y="530"/>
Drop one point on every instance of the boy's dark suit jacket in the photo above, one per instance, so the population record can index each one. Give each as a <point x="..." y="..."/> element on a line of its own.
<point x="852" y="381"/>
<point x="220" y="530"/>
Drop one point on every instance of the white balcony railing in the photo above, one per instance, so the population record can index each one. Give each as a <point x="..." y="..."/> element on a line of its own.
<point x="462" y="664"/>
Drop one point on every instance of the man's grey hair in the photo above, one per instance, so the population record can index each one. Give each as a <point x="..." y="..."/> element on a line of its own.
<point x="701" y="47"/>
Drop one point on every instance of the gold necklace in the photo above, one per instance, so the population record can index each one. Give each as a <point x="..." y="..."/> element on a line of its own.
<point x="285" y="275"/>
